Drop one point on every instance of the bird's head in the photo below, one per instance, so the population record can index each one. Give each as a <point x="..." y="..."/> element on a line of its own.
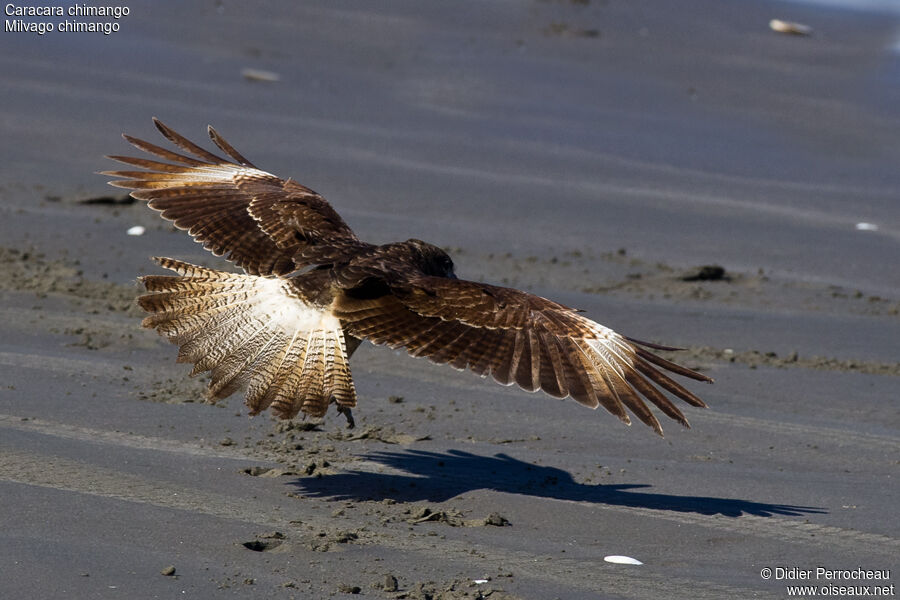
<point x="431" y="259"/>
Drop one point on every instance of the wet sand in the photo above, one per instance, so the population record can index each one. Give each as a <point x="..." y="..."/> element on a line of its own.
<point x="597" y="153"/>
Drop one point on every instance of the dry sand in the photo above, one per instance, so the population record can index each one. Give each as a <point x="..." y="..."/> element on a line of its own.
<point x="594" y="152"/>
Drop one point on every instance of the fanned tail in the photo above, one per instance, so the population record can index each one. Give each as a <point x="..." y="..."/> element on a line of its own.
<point x="252" y="332"/>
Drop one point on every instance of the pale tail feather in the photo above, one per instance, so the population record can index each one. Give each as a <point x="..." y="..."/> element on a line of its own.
<point x="251" y="332"/>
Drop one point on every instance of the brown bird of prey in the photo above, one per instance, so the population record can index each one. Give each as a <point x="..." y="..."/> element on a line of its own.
<point x="312" y="291"/>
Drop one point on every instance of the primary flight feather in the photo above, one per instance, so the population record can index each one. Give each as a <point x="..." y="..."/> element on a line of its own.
<point x="312" y="291"/>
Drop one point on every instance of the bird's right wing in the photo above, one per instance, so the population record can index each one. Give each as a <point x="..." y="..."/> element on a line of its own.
<point x="264" y="224"/>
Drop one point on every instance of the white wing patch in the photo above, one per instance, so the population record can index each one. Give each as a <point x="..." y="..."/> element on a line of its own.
<point x="609" y="347"/>
<point x="193" y="176"/>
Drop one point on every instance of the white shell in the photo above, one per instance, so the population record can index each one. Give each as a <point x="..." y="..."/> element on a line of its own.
<point x="789" y="27"/>
<point x="136" y="230"/>
<point x="622" y="560"/>
<point x="866" y="227"/>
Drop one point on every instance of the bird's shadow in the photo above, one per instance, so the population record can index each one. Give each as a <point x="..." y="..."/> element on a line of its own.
<point x="436" y="477"/>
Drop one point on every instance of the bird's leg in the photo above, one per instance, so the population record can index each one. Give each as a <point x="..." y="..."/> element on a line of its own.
<point x="349" y="414"/>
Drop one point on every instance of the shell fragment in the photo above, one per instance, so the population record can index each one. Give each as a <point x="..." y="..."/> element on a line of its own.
<point x="789" y="27"/>
<point x="622" y="560"/>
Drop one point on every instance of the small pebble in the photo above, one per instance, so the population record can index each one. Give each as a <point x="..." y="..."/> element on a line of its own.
<point x="705" y="273"/>
<point x="168" y="571"/>
<point x="260" y="75"/>
<point x="497" y="520"/>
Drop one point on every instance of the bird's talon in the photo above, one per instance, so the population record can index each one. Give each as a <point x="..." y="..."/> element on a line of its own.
<point x="349" y="414"/>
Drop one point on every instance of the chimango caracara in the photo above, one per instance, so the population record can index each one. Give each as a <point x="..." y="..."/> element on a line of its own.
<point x="312" y="291"/>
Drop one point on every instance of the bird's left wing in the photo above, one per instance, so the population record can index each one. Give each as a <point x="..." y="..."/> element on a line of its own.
<point x="516" y="337"/>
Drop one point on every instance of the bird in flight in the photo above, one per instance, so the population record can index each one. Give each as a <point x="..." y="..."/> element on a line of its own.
<point x="311" y="291"/>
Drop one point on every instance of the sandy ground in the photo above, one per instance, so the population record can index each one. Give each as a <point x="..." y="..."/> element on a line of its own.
<point x="593" y="152"/>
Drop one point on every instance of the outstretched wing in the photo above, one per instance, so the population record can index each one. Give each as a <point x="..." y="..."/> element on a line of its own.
<point x="517" y="338"/>
<point x="264" y="224"/>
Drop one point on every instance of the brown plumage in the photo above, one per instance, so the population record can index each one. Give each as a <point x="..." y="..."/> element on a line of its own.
<point x="312" y="291"/>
